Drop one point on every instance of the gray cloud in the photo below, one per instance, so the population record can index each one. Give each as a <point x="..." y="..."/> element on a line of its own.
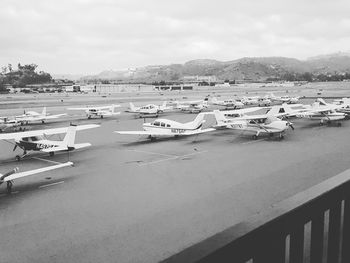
<point x="87" y="36"/>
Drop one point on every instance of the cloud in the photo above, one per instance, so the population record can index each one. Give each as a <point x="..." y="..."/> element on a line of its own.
<point x="88" y="36"/>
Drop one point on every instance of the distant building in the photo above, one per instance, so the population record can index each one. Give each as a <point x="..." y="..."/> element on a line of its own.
<point x="197" y="79"/>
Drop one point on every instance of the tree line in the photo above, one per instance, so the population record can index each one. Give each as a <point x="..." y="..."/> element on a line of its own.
<point x="22" y="76"/>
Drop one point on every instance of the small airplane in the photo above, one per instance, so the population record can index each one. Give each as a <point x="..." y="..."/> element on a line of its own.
<point x="37" y="140"/>
<point x="31" y="116"/>
<point x="256" y="124"/>
<point x="6" y="124"/>
<point x="12" y="175"/>
<point x="256" y="101"/>
<point x="194" y="106"/>
<point x="344" y="103"/>
<point x="166" y="128"/>
<point x="324" y="112"/>
<point x="149" y="109"/>
<point x="98" y="111"/>
<point x="228" y="103"/>
<point x="282" y="99"/>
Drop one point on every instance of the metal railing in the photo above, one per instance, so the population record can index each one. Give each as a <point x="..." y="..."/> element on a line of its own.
<point x="311" y="226"/>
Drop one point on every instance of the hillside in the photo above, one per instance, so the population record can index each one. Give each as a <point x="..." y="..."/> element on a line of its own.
<point x="254" y="68"/>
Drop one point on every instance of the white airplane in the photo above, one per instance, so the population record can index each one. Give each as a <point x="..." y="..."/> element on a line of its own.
<point x="37" y="140"/>
<point x="282" y="99"/>
<point x="12" y="175"/>
<point x="98" y="111"/>
<point x="166" y="128"/>
<point x="6" y="124"/>
<point x="344" y="103"/>
<point x="228" y="103"/>
<point x="149" y="109"/>
<point x="30" y="116"/>
<point x="323" y="112"/>
<point x="256" y="101"/>
<point x="256" y="124"/>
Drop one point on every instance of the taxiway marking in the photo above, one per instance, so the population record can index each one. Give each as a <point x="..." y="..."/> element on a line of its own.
<point x="174" y="157"/>
<point x="45" y="160"/>
<point x="155" y="153"/>
<point x="47" y="185"/>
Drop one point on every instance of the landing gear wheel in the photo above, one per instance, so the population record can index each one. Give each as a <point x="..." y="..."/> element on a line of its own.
<point x="18" y="158"/>
<point x="42" y="122"/>
<point x="281" y="136"/>
<point x="9" y="186"/>
<point x="89" y="117"/>
<point x="51" y="153"/>
<point x="255" y="137"/>
<point x="101" y="116"/>
<point x="339" y="124"/>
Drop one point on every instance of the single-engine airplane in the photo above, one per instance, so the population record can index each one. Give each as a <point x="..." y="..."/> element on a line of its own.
<point x="323" y="112"/>
<point x="6" y="124"/>
<point x="256" y="124"/>
<point x="98" y="111"/>
<point x="38" y="141"/>
<point x="149" y="110"/>
<point x="228" y="103"/>
<point x="12" y="175"/>
<point x="31" y="116"/>
<point x="166" y="128"/>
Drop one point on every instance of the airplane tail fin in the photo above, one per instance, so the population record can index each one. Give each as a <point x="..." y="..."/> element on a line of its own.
<point x="132" y="106"/>
<point x="321" y="101"/>
<point x="219" y="117"/>
<point x="69" y="139"/>
<point x="197" y="122"/>
<point x="44" y="111"/>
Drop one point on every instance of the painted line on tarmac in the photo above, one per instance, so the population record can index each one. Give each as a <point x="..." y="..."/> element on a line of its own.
<point x="255" y="141"/>
<point x="155" y="153"/>
<point x="45" y="160"/>
<point x="172" y="158"/>
<point x="47" y="185"/>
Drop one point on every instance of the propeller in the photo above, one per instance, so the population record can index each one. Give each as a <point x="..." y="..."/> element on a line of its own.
<point x="14" y="148"/>
<point x="290" y="125"/>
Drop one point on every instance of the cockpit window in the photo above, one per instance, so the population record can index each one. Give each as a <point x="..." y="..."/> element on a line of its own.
<point x="33" y="139"/>
<point x="156" y="123"/>
<point x="168" y="125"/>
<point x="162" y="124"/>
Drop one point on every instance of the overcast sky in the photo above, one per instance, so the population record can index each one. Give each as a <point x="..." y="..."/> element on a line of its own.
<point x="88" y="36"/>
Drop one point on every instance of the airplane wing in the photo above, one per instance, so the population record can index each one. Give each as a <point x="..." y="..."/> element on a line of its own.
<point x="149" y="133"/>
<point x="19" y="135"/>
<point x="36" y="171"/>
<point x="85" y="108"/>
<point x="55" y="116"/>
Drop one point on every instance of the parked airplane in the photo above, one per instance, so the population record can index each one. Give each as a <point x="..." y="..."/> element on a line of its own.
<point x="256" y="101"/>
<point x="149" y="109"/>
<point x="37" y="140"/>
<point x="255" y="124"/>
<point x="99" y="111"/>
<point x="228" y="103"/>
<point x="282" y="99"/>
<point x="12" y="175"/>
<point x="31" y="116"/>
<point x="344" y="103"/>
<point x="6" y="124"/>
<point x="323" y="112"/>
<point x="166" y="128"/>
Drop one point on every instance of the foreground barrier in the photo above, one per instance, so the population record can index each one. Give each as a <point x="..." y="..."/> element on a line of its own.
<point x="311" y="226"/>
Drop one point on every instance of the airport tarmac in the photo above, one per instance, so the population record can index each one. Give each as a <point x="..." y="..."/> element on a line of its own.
<point x="131" y="200"/>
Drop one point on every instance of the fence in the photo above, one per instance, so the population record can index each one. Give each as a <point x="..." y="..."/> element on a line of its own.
<point x="312" y="226"/>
